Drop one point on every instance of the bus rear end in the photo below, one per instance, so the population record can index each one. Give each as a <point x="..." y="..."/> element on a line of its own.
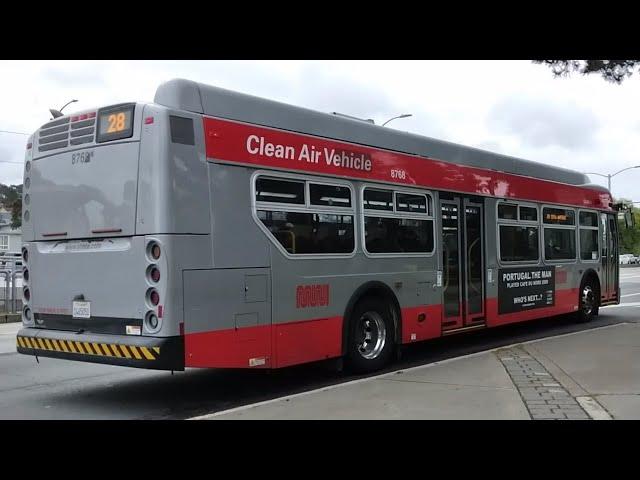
<point x="97" y="282"/>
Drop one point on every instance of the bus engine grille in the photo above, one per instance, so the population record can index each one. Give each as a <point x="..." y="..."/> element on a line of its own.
<point x="61" y="133"/>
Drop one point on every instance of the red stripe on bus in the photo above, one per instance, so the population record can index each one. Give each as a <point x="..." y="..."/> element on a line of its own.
<point x="430" y="327"/>
<point x="231" y="348"/>
<point x="301" y="342"/>
<point x="236" y="142"/>
<point x="293" y="343"/>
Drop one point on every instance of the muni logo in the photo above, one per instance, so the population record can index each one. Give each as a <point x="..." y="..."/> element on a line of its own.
<point x="312" y="296"/>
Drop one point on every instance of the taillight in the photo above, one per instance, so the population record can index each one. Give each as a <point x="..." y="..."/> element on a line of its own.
<point x="25" y="254"/>
<point x="155" y="275"/>
<point x="153" y="297"/>
<point x="25" y="275"/>
<point x="153" y="250"/>
<point x="26" y="294"/>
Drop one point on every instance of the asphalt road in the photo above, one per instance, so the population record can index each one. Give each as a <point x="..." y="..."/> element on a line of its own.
<point x="58" y="389"/>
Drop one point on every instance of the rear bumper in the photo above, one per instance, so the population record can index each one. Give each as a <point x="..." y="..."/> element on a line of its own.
<point x="124" y="350"/>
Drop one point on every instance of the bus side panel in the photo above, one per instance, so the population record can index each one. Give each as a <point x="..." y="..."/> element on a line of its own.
<point x="227" y="318"/>
<point x="173" y="194"/>
<point x="310" y="297"/>
<point x="237" y="239"/>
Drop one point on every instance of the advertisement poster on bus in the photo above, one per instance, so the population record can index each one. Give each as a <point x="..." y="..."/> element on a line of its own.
<point x="526" y="288"/>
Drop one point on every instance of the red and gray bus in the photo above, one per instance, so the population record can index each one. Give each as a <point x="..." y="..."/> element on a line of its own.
<point x="216" y="229"/>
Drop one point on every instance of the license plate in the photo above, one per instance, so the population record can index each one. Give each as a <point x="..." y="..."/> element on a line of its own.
<point x="81" y="309"/>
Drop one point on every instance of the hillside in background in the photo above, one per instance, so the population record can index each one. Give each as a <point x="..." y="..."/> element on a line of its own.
<point x="11" y="199"/>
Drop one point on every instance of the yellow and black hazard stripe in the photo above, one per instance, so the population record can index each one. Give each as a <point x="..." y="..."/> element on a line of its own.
<point x="160" y="353"/>
<point x="89" y="348"/>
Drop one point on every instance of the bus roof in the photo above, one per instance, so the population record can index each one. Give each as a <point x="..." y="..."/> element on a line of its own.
<point x="218" y="102"/>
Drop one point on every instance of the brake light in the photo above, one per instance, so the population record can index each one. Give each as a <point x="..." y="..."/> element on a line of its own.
<point x="154" y="297"/>
<point x="155" y="275"/>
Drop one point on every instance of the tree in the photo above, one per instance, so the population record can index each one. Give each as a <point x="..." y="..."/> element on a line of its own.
<point x="629" y="237"/>
<point x="614" y="71"/>
<point x="11" y="199"/>
<point x="16" y="213"/>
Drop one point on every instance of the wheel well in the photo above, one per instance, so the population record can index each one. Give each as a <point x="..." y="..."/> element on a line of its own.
<point x="377" y="290"/>
<point x="593" y="276"/>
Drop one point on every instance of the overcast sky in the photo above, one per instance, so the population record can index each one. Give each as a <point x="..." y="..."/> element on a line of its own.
<point x="511" y="107"/>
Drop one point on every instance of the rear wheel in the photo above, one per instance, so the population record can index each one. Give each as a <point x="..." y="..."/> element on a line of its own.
<point x="588" y="300"/>
<point x="371" y="339"/>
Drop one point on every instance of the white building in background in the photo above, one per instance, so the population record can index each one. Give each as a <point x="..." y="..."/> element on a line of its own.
<point x="10" y="238"/>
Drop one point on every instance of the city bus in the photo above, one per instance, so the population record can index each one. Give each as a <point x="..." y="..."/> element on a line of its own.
<point x="215" y="229"/>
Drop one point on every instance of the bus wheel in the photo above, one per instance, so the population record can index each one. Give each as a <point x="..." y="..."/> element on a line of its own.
<point x="588" y="301"/>
<point x="371" y="336"/>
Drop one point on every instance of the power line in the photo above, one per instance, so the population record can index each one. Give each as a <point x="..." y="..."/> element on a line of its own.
<point x="15" y="133"/>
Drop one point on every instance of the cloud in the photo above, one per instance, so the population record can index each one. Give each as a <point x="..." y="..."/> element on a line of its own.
<point x="543" y="123"/>
<point x="75" y="76"/>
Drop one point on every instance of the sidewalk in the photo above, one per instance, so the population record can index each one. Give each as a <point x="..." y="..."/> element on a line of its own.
<point x="590" y="374"/>
<point x="8" y="333"/>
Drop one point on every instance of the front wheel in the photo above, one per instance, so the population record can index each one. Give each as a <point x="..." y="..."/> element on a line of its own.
<point x="371" y="339"/>
<point x="588" y="302"/>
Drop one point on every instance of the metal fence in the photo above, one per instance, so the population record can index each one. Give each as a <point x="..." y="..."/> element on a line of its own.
<point x="10" y="284"/>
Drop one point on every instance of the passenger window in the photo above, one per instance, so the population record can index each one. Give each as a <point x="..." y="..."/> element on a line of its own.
<point x="398" y="235"/>
<point x="307" y="233"/>
<point x="588" y="219"/>
<point x="558" y="216"/>
<point x="411" y="203"/>
<point x="330" y="195"/>
<point x="559" y="243"/>
<point x="279" y="191"/>
<point x="528" y="214"/>
<point x="518" y="243"/>
<point x="378" y="199"/>
<point x="507" y="212"/>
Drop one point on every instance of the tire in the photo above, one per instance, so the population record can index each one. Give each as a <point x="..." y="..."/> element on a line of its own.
<point x="371" y="335"/>
<point x="588" y="300"/>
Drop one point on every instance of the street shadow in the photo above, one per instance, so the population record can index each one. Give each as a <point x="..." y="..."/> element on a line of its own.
<point x="161" y="395"/>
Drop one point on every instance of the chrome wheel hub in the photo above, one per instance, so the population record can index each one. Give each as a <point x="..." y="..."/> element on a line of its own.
<point x="371" y="335"/>
<point x="588" y="299"/>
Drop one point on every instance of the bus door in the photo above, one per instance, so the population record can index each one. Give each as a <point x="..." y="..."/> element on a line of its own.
<point x="609" y="256"/>
<point x="462" y="236"/>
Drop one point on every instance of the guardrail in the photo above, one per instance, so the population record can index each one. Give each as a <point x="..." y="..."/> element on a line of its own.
<point x="10" y="284"/>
